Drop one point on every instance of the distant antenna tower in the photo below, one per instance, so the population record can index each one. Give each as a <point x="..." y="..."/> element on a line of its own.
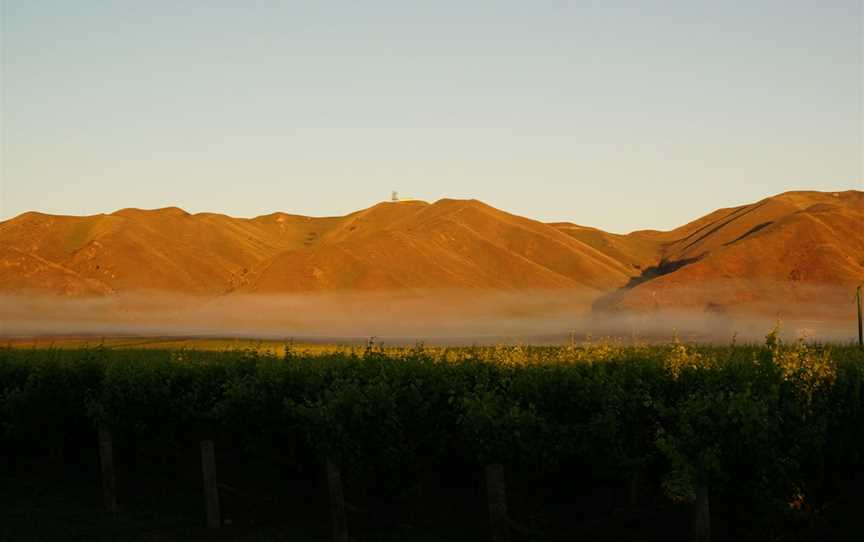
<point x="394" y="196"/>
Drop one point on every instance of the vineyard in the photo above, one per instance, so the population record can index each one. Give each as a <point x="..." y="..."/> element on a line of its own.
<point x="503" y="443"/>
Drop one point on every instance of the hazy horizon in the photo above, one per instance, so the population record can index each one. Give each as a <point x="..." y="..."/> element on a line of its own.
<point x="449" y="316"/>
<point x="617" y="115"/>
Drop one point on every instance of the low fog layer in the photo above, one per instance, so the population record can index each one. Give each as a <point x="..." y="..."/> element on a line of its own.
<point x="440" y="317"/>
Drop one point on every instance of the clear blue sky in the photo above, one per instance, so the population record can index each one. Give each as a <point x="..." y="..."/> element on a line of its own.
<point x="620" y="115"/>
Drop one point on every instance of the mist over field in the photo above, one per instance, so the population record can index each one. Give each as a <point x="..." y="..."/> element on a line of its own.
<point x="440" y="317"/>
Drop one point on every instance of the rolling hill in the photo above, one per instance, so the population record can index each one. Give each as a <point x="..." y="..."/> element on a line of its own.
<point x="801" y="250"/>
<point x="448" y="244"/>
<point x="794" y="248"/>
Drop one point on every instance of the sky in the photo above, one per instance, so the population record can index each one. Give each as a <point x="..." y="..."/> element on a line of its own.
<point x="619" y="115"/>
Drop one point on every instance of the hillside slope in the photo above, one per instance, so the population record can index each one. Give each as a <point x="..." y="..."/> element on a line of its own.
<point x="796" y="248"/>
<point x="164" y="249"/>
<point x="800" y="250"/>
<point x="448" y="244"/>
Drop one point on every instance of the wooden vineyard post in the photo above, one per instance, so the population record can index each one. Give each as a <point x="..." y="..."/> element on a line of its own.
<point x="106" y="460"/>
<point x="635" y="488"/>
<point x="211" y="493"/>
<point x="700" y="516"/>
<point x="496" y="494"/>
<point x="338" y="518"/>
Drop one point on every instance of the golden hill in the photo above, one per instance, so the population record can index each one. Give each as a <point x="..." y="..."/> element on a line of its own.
<point x="164" y="249"/>
<point x="414" y="244"/>
<point x="448" y="244"/>
<point x="784" y="249"/>
<point x="795" y="252"/>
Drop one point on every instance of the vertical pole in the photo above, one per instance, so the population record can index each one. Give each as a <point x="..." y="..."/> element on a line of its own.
<point x="211" y="493"/>
<point x="338" y="518"/>
<point x="635" y="488"/>
<point x="860" y="326"/>
<point x="700" y="516"/>
<point x="106" y="460"/>
<point x="496" y="494"/>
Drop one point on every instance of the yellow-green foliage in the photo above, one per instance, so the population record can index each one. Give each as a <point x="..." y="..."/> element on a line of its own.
<point x="811" y="369"/>
<point x="680" y="358"/>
